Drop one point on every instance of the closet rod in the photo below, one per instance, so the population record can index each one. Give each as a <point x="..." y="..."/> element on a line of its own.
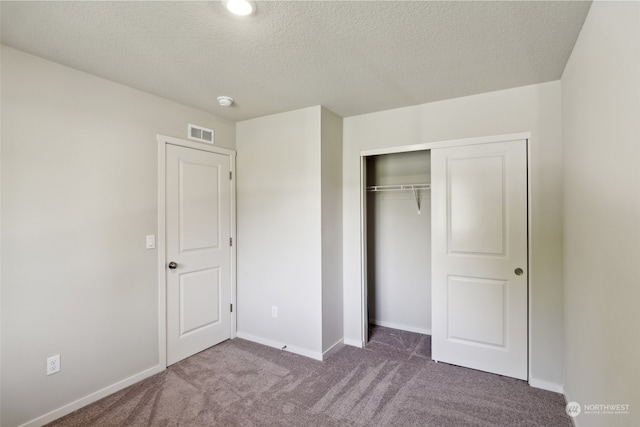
<point x="399" y="187"/>
<point x="402" y="187"/>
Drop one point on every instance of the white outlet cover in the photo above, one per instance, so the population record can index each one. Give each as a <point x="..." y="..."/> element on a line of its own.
<point x="53" y="364"/>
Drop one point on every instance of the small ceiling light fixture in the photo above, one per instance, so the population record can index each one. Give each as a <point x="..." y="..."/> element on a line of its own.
<point x="225" y="101"/>
<point x="240" y="7"/>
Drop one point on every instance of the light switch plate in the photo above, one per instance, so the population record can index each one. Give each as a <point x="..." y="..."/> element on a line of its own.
<point x="151" y="241"/>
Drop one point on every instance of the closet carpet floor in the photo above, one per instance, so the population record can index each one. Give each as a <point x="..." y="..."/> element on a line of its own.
<point x="392" y="382"/>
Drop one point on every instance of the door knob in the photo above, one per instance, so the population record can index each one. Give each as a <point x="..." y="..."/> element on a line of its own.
<point x="518" y="271"/>
<point x="173" y="265"/>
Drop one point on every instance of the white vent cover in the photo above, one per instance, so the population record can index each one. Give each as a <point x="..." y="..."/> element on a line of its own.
<point x="198" y="133"/>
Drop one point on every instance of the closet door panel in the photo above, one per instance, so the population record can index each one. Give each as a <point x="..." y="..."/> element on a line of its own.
<point x="476" y="312"/>
<point x="479" y="241"/>
<point x="475" y="226"/>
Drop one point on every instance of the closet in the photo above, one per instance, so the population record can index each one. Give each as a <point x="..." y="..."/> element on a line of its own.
<point x="399" y="241"/>
<point x="445" y="248"/>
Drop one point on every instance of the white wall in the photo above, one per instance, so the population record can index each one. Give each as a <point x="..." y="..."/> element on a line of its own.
<point x="399" y="243"/>
<point x="534" y="108"/>
<point x="601" y="132"/>
<point x="331" y="164"/>
<point x="289" y="195"/>
<point x="279" y="230"/>
<point x="79" y="178"/>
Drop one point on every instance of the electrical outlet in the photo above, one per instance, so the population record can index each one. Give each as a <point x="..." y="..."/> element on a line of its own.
<point x="274" y="311"/>
<point x="53" y="364"/>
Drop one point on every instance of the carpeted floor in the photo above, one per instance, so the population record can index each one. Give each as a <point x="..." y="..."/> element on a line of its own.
<point x="392" y="382"/>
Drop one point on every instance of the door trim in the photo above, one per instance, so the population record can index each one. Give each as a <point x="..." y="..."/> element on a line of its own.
<point x="164" y="140"/>
<point x="429" y="146"/>
<point x="364" y="310"/>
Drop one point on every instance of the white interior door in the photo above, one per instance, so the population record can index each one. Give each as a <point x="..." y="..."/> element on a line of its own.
<point x="198" y="251"/>
<point x="479" y="254"/>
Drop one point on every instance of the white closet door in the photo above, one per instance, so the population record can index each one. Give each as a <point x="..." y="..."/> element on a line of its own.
<point x="479" y="255"/>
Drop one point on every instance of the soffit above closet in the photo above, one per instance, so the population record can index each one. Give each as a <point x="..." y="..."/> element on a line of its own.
<point x="353" y="57"/>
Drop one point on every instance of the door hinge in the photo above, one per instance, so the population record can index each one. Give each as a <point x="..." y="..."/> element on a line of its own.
<point x="230" y="175"/>
<point x="230" y="241"/>
<point x="231" y="307"/>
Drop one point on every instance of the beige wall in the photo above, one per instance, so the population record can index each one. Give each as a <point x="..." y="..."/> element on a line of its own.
<point x="279" y="230"/>
<point x="289" y="230"/>
<point x="534" y="109"/>
<point x="331" y="180"/>
<point x="601" y="132"/>
<point x="79" y="178"/>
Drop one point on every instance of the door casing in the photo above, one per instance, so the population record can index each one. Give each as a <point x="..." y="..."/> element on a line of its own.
<point x="163" y="140"/>
<point x="364" y="319"/>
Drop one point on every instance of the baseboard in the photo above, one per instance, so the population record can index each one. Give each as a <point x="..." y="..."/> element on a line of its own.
<point x="84" y="401"/>
<point x="353" y="343"/>
<point x="400" y="327"/>
<point x="546" y="385"/>
<point x="281" y="346"/>
<point x="335" y="347"/>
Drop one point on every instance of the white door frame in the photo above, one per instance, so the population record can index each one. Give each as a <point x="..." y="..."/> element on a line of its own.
<point x="163" y="140"/>
<point x="429" y="146"/>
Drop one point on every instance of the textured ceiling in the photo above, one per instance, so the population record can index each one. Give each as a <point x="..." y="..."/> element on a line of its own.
<point x="353" y="57"/>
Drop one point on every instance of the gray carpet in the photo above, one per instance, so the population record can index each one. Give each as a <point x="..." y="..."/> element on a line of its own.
<point x="392" y="382"/>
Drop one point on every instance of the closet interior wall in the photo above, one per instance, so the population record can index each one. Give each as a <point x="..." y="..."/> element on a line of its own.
<point x="399" y="242"/>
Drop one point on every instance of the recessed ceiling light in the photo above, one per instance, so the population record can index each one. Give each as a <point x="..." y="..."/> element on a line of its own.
<point x="240" y="7"/>
<point x="225" y="101"/>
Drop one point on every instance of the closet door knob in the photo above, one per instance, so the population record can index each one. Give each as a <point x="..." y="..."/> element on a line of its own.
<point x="518" y="271"/>
<point x="173" y="265"/>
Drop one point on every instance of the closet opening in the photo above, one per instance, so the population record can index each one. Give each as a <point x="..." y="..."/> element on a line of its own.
<point x="445" y="249"/>
<point x="398" y="239"/>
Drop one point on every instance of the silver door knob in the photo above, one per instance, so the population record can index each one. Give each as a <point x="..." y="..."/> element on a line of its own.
<point x="173" y="265"/>
<point x="518" y="271"/>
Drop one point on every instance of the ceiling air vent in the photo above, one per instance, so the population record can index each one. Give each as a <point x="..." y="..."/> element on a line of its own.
<point x="198" y="133"/>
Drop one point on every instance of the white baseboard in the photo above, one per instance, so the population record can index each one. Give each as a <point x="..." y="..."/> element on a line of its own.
<point x="546" y="385"/>
<point x="353" y="343"/>
<point x="335" y="347"/>
<point x="401" y="327"/>
<point x="84" y="401"/>
<point x="279" y="345"/>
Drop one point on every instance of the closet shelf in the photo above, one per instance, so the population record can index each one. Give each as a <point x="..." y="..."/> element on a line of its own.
<point x="399" y="187"/>
<point x="415" y="188"/>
